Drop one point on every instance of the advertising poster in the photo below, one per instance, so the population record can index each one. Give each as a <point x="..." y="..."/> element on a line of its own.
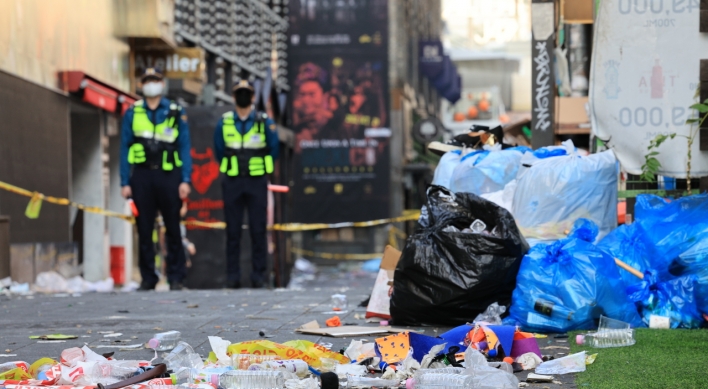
<point x="338" y="109"/>
<point x="644" y="77"/>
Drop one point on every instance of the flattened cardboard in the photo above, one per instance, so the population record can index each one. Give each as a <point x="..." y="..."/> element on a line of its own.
<point x="380" y="301"/>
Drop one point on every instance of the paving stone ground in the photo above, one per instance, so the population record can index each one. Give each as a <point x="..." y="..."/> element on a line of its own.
<point x="235" y="315"/>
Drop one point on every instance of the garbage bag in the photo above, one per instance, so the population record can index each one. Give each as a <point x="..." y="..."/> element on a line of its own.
<point x="629" y="244"/>
<point x="674" y="299"/>
<point x="677" y="232"/>
<point x="451" y="277"/>
<point x="447" y="164"/>
<point x="567" y="285"/>
<point x="489" y="172"/>
<point x="555" y="191"/>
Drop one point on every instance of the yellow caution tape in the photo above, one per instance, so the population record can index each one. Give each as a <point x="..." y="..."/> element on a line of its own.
<point x="292" y="227"/>
<point x="36" y="202"/>
<point x="336" y="256"/>
<point x="36" y="199"/>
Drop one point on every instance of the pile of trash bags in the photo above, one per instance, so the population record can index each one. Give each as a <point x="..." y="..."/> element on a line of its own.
<point x="566" y="281"/>
<point x="464" y="257"/>
<point x="546" y="190"/>
<point x="568" y="284"/>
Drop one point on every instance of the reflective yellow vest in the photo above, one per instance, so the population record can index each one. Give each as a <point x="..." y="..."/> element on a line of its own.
<point x="155" y="143"/>
<point x="249" y="149"/>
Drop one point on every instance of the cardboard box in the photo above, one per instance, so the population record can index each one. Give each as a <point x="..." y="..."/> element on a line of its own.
<point x="578" y="11"/>
<point x="571" y="110"/>
<point x="380" y="301"/>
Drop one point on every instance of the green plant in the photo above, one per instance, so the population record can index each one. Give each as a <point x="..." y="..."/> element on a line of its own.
<point x="651" y="164"/>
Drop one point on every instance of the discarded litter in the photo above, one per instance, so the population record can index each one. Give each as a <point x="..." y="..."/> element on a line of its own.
<point x="570" y="364"/>
<point x="164" y="340"/>
<point x="610" y="333"/>
<point x="54" y="337"/>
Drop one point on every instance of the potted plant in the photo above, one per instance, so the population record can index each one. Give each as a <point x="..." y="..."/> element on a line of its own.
<point x="651" y="164"/>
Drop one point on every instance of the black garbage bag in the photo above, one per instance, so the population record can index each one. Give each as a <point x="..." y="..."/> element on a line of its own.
<point x="446" y="277"/>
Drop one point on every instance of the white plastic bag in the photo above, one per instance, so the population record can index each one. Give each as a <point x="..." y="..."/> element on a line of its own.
<point x="570" y="364"/>
<point x="558" y="190"/>
<point x="447" y="164"/>
<point x="486" y="171"/>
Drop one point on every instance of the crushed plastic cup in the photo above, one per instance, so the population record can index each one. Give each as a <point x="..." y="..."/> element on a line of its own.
<point x="339" y="302"/>
<point x="574" y="363"/>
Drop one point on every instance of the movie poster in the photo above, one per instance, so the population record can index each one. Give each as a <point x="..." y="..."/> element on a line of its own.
<point x="338" y="109"/>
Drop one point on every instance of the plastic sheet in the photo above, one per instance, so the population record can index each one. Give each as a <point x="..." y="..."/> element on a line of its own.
<point x="449" y="278"/>
<point x="447" y="164"/>
<point x="567" y="285"/>
<point x="556" y="191"/>
<point x="487" y="171"/>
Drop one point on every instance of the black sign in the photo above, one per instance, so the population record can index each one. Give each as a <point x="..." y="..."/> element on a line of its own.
<point x="543" y="84"/>
<point x="338" y="109"/>
<point x="431" y="58"/>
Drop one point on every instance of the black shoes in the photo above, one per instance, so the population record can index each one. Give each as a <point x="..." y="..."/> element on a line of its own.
<point x="145" y="288"/>
<point x="233" y="284"/>
<point x="176" y="286"/>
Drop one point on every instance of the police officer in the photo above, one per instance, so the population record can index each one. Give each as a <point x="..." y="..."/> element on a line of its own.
<point x="246" y="143"/>
<point x="155" y="143"/>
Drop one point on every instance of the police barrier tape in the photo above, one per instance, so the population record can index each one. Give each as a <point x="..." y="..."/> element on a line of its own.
<point x="36" y="198"/>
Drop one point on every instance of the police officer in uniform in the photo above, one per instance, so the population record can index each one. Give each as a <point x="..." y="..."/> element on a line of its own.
<point x="155" y="145"/>
<point x="246" y="143"/>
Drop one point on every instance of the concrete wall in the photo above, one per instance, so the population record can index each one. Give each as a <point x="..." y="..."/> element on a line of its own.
<point x="34" y="154"/>
<point x="38" y="38"/>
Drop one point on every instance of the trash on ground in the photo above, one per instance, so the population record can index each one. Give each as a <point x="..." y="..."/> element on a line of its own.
<point x="314" y="328"/>
<point x="54" y="337"/>
<point x="610" y="333"/>
<point x="532" y="378"/>
<point x="426" y="293"/>
<point x="380" y="301"/>
<point x="573" y="363"/>
<point x="567" y="284"/>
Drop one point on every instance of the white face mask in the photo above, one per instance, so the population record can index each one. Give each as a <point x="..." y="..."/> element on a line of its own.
<point x="152" y="89"/>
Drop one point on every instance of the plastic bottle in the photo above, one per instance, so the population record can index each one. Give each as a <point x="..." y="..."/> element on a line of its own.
<point x="244" y="361"/>
<point x="198" y="376"/>
<point x="368" y="382"/>
<point x="165" y="340"/>
<point x="183" y="355"/>
<point x="297" y="366"/>
<point x="7" y="366"/>
<point x="441" y="381"/>
<point x="607" y="338"/>
<point x="247" y="379"/>
<point x="442" y="370"/>
<point x="106" y="373"/>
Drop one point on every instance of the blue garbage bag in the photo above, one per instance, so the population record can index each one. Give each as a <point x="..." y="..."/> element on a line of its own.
<point x="567" y="285"/>
<point x="677" y="233"/>
<point x="628" y="243"/>
<point x="556" y="191"/>
<point x="674" y="299"/>
<point x="447" y="164"/>
<point x="486" y="171"/>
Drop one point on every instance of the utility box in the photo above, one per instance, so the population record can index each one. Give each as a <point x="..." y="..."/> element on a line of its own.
<point x="4" y="246"/>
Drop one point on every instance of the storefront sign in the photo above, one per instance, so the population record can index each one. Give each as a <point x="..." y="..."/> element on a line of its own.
<point x="339" y="113"/>
<point x="183" y="62"/>
<point x="644" y="77"/>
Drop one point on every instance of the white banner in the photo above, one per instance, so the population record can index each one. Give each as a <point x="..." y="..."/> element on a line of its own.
<point x="645" y="73"/>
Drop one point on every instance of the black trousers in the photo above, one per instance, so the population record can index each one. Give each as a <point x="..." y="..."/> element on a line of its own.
<point x="240" y="193"/>
<point x="157" y="190"/>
